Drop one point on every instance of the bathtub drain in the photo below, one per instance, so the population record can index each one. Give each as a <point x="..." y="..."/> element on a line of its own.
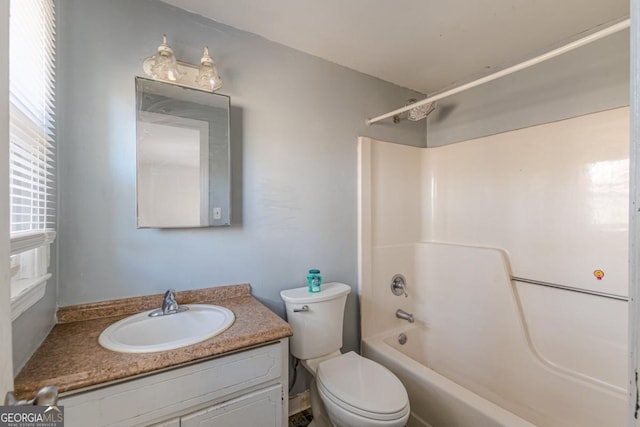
<point x="402" y="339"/>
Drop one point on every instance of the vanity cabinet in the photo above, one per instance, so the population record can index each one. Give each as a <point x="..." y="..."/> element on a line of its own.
<point x="246" y="388"/>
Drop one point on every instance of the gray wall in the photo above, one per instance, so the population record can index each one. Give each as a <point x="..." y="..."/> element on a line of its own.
<point x="295" y="121"/>
<point x="589" y="79"/>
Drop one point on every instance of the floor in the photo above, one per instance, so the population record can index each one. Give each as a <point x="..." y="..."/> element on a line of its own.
<point x="301" y="419"/>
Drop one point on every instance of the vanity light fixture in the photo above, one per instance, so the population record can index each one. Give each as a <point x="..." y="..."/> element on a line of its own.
<point x="163" y="66"/>
<point x="208" y="77"/>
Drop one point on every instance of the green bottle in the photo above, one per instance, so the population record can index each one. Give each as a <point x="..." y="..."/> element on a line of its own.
<point x="314" y="280"/>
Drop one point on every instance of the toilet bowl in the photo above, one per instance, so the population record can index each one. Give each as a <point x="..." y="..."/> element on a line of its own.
<point x="347" y="390"/>
<point x="359" y="392"/>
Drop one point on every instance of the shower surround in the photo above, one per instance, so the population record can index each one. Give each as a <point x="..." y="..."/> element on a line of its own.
<point x="548" y="204"/>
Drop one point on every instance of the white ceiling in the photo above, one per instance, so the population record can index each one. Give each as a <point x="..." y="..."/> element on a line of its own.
<point x="425" y="45"/>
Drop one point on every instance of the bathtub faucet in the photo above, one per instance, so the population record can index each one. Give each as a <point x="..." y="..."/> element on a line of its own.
<point x="401" y="314"/>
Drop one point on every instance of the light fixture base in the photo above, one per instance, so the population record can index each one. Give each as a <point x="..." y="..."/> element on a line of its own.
<point x="188" y="74"/>
<point x="163" y="66"/>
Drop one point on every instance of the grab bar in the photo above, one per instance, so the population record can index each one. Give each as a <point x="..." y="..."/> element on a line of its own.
<point x="570" y="288"/>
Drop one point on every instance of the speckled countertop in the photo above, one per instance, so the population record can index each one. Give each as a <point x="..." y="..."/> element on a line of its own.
<point x="71" y="357"/>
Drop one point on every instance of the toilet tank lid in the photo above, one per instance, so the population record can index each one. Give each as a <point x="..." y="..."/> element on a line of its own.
<point x="302" y="295"/>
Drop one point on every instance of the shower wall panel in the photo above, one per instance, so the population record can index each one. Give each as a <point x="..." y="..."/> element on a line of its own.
<point x="554" y="196"/>
<point x="390" y="220"/>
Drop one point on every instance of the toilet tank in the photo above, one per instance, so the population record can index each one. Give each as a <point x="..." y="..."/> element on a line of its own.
<point x="317" y="329"/>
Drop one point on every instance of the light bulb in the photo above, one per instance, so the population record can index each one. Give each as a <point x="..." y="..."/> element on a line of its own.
<point x="208" y="77"/>
<point x="165" y="67"/>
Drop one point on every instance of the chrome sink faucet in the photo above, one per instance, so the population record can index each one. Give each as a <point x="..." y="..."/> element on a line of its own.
<point x="169" y="305"/>
<point x="401" y="314"/>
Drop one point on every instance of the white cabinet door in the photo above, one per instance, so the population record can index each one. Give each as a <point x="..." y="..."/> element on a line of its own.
<point x="262" y="408"/>
<point x="175" y="422"/>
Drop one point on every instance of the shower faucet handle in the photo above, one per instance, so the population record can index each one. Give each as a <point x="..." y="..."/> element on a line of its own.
<point x="399" y="285"/>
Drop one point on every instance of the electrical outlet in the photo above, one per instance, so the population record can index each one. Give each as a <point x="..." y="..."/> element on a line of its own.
<point x="217" y="213"/>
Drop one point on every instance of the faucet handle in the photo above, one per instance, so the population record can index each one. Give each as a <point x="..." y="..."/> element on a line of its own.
<point x="399" y="285"/>
<point x="169" y="304"/>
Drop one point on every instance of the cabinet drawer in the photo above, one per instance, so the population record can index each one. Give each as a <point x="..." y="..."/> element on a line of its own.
<point x="262" y="408"/>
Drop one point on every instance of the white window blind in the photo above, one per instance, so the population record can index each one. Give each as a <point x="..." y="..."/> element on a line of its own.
<point x="31" y="148"/>
<point x="32" y="121"/>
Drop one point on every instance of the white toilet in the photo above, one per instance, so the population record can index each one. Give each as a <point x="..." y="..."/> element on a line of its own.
<point x="347" y="390"/>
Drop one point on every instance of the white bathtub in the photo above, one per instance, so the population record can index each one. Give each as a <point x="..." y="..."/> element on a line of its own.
<point x="472" y="358"/>
<point x="435" y="400"/>
<point x="439" y="401"/>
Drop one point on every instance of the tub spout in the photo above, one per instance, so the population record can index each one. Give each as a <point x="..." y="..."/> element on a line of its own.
<point x="401" y="314"/>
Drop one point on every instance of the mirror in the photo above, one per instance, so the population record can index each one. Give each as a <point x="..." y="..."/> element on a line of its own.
<point x="183" y="173"/>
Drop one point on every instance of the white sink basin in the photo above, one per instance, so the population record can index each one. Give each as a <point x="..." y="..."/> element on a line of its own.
<point x="143" y="334"/>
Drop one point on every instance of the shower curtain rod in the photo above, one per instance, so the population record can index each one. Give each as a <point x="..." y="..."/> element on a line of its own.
<point x="619" y="26"/>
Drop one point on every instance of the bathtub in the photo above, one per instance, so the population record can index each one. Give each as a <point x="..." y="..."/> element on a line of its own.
<point x="435" y="400"/>
<point x="475" y="357"/>
<point x="439" y="401"/>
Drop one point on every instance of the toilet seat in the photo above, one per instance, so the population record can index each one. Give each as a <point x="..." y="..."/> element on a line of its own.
<point x="362" y="387"/>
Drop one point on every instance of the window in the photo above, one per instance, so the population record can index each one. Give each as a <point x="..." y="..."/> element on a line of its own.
<point x="31" y="147"/>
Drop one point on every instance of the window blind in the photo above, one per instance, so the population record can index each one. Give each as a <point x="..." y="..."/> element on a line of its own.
<point x="32" y="118"/>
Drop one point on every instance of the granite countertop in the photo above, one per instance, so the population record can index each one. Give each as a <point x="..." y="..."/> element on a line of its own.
<point x="71" y="358"/>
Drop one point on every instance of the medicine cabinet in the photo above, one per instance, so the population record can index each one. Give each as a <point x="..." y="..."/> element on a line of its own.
<point x="182" y="156"/>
